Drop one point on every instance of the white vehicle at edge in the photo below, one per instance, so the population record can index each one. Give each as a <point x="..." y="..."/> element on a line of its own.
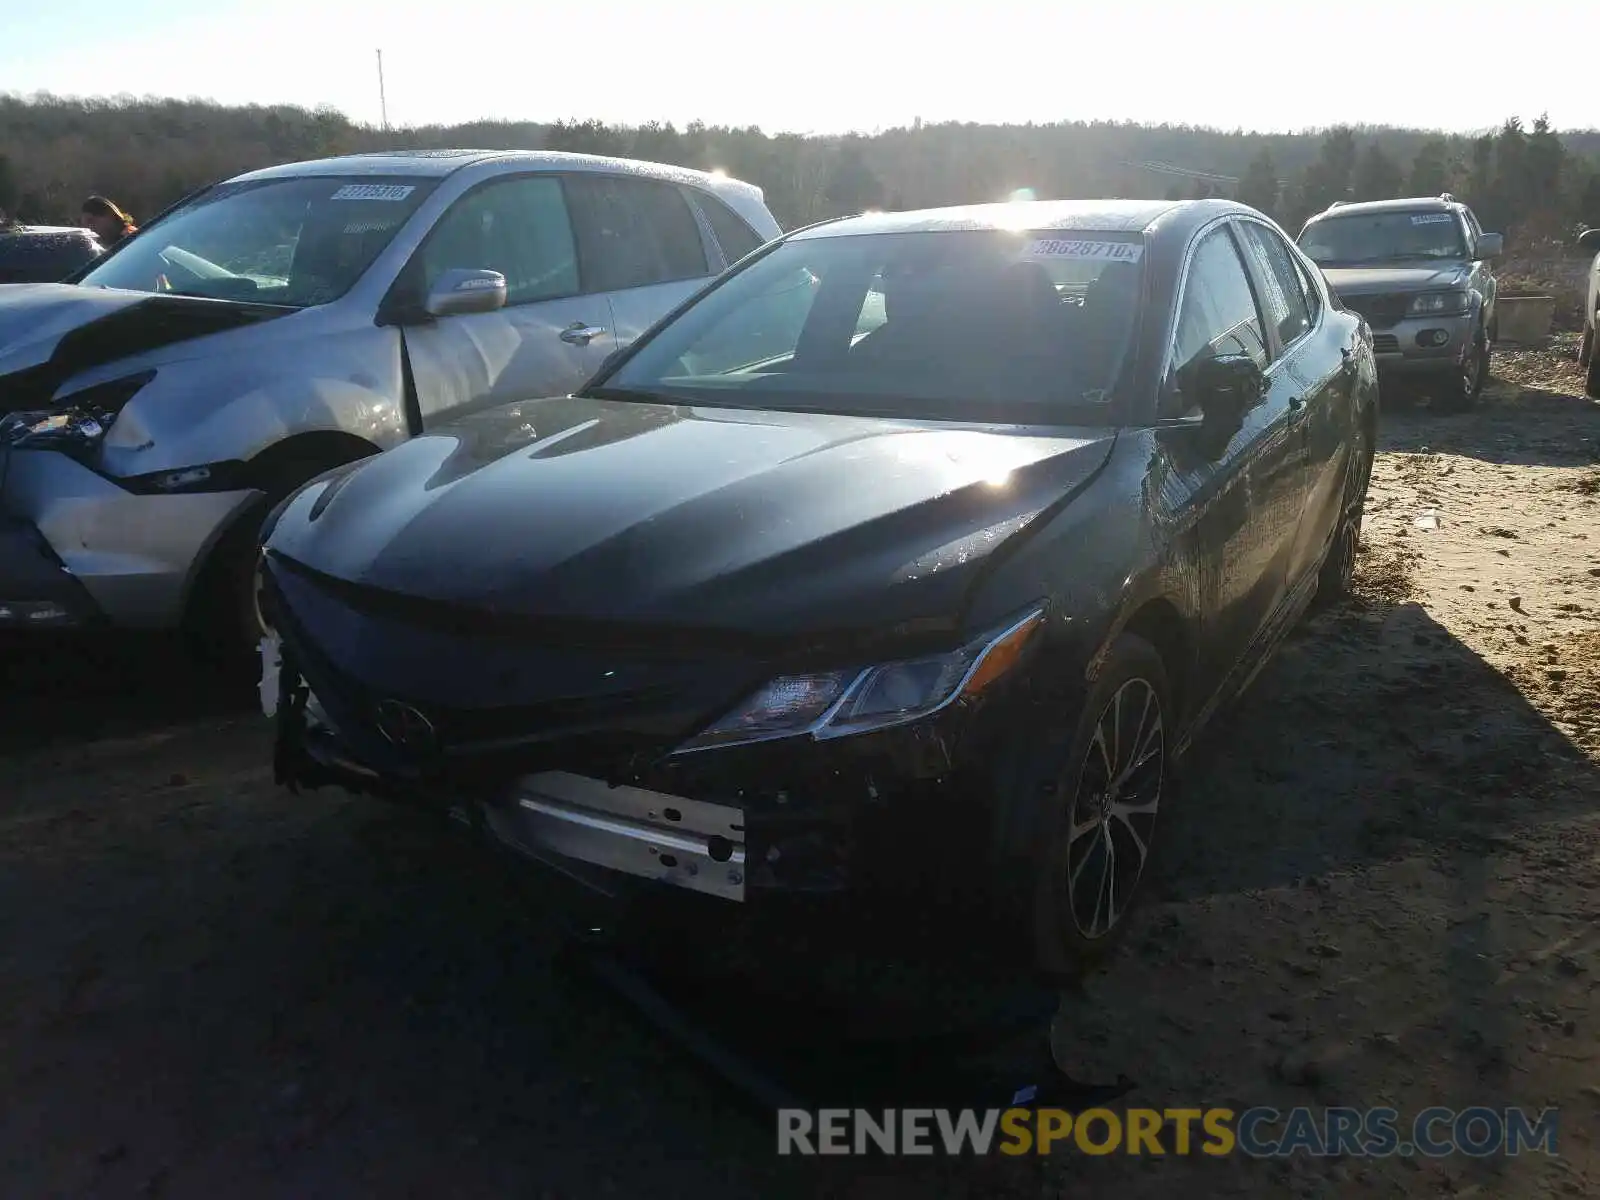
<point x="287" y="321"/>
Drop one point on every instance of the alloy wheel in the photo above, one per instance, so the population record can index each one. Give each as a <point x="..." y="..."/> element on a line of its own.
<point x="1113" y="815"/>
<point x="1345" y="551"/>
<point x="259" y="626"/>
<point x="1474" y="369"/>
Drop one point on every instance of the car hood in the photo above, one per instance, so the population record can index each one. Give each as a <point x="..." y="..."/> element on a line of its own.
<point x="651" y="514"/>
<point x="52" y="331"/>
<point x="1365" y="281"/>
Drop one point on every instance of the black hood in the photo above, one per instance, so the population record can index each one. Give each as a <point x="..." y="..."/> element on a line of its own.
<point x="760" y="522"/>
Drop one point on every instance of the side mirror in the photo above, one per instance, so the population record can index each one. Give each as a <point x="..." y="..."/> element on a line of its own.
<point x="1490" y="245"/>
<point x="1589" y="239"/>
<point x="458" y="292"/>
<point x="1226" y="387"/>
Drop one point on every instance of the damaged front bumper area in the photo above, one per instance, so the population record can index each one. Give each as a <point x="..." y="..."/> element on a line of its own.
<point x="134" y="554"/>
<point x="884" y="812"/>
<point x="37" y="591"/>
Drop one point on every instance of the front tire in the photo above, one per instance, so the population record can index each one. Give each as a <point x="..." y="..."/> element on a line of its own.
<point x="224" y="622"/>
<point x="1102" y="802"/>
<point x="1462" y="389"/>
<point x="1591" y="377"/>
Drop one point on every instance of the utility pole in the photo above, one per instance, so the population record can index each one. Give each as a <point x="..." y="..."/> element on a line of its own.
<point x="383" y="103"/>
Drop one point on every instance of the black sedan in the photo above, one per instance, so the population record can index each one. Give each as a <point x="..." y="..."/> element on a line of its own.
<point x="915" y="540"/>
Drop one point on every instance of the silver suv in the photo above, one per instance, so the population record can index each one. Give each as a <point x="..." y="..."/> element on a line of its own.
<point x="288" y="321"/>
<point x="1418" y="271"/>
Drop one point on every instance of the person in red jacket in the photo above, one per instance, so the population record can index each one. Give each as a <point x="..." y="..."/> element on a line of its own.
<point x="109" y="223"/>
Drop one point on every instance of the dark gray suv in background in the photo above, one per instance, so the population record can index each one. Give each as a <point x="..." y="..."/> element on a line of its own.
<point x="44" y="253"/>
<point x="1418" y="271"/>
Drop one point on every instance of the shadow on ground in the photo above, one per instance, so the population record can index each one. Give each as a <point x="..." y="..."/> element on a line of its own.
<point x="73" y="687"/>
<point x="1512" y="425"/>
<point x="1374" y="732"/>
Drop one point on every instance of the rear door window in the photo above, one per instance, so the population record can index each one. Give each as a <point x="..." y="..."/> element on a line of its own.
<point x="1283" y="300"/>
<point x="734" y="236"/>
<point x="634" y="232"/>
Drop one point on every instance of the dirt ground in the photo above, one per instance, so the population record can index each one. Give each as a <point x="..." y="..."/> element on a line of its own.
<point x="1382" y="887"/>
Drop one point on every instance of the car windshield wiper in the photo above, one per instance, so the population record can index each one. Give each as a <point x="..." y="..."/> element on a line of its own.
<point x="635" y="395"/>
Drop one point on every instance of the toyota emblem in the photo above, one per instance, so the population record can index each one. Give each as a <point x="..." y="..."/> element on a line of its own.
<point x="404" y="728"/>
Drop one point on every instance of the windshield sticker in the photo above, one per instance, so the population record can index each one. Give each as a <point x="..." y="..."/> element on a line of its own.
<point x="1432" y="219"/>
<point x="373" y="191"/>
<point x="1128" y="252"/>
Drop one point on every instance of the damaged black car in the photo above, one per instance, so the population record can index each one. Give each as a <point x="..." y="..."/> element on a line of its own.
<point x="920" y="541"/>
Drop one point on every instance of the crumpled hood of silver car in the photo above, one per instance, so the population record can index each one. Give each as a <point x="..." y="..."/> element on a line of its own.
<point x="52" y="331"/>
<point x="34" y="316"/>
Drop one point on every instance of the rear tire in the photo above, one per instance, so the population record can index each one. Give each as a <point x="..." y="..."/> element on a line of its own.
<point x="1100" y="795"/>
<point x="1338" y="568"/>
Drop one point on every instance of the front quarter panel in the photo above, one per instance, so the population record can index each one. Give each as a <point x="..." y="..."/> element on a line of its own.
<point x="1098" y="561"/>
<point x="217" y="409"/>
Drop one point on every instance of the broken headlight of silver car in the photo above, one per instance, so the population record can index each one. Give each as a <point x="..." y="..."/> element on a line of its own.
<point x="839" y="703"/>
<point x="75" y="423"/>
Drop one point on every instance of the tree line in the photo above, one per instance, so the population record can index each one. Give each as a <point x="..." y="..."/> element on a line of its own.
<point x="1527" y="181"/>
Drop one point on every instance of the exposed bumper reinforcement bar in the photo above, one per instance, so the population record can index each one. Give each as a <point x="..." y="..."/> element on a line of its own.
<point x="690" y="844"/>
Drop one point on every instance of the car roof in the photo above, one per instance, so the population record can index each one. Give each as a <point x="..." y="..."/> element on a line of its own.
<point x="1407" y="204"/>
<point x="46" y="230"/>
<point x="1110" y="216"/>
<point x="439" y="163"/>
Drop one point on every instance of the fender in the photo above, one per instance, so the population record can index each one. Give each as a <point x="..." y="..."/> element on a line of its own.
<point x="310" y="454"/>
<point x="202" y="412"/>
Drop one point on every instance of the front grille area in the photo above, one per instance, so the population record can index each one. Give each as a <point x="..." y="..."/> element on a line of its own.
<point x="1381" y="312"/>
<point x="495" y="704"/>
<point x="1385" y="343"/>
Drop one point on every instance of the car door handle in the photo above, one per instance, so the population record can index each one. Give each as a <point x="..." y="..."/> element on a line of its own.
<point x="579" y="334"/>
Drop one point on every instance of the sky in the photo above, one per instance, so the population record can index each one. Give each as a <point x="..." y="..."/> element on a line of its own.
<point x="824" y="66"/>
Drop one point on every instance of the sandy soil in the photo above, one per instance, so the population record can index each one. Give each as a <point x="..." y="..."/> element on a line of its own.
<point x="1380" y="888"/>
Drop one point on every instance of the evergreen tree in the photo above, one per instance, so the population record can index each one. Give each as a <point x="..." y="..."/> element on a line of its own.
<point x="1430" y="169"/>
<point x="1259" y="187"/>
<point x="1377" y="176"/>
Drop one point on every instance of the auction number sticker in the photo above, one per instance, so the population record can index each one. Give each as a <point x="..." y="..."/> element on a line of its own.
<point x="1432" y="219"/>
<point x="373" y="191"/>
<point x="1128" y="252"/>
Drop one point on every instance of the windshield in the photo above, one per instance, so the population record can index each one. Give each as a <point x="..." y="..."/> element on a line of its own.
<point x="1383" y="237"/>
<point x="970" y="325"/>
<point x="298" y="242"/>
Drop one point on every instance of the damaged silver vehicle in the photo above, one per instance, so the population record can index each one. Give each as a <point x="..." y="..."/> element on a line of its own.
<point x="292" y="320"/>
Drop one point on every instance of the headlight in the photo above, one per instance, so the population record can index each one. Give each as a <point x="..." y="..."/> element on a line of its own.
<point x="834" y="704"/>
<point x="1440" y="304"/>
<point x="76" y="422"/>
